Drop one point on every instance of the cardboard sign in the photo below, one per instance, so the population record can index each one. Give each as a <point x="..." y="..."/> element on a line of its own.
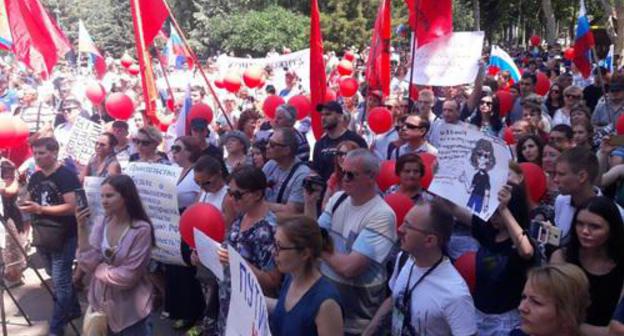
<point x="81" y="143"/>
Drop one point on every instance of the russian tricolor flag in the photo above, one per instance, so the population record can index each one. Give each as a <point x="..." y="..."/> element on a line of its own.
<point x="175" y="51"/>
<point x="502" y="61"/>
<point x="6" y="39"/>
<point x="86" y="45"/>
<point x="583" y="43"/>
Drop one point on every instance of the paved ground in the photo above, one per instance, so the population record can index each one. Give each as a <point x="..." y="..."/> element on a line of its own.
<point x="37" y="304"/>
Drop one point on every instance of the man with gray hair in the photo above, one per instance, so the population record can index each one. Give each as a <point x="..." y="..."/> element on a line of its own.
<point x="363" y="228"/>
<point x="286" y="116"/>
<point x="284" y="173"/>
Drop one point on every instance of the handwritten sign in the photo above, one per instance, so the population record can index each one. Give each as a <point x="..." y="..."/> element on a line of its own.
<point x="81" y="143"/>
<point x="248" y="313"/>
<point x="157" y="187"/>
<point x="298" y="61"/>
<point x="207" y="252"/>
<point x="450" y="60"/>
<point x="92" y="186"/>
<point x="472" y="169"/>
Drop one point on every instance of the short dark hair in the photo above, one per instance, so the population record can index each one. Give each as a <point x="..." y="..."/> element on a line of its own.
<point x="565" y="129"/>
<point x="250" y="178"/>
<point x="49" y="143"/>
<point x="202" y="91"/>
<point x="290" y="139"/>
<point x="531" y="76"/>
<point x="248" y="114"/>
<point x="191" y="144"/>
<point x="441" y="221"/>
<point x="207" y="164"/>
<point x="409" y="158"/>
<point x="579" y="158"/>
<point x="112" y="140"/>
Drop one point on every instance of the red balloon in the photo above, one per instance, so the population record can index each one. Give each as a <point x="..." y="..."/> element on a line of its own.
<point x="271" y="103"/>
<point x="95" y="92"/>
<point x="535" y="40"/>
<point x="429" y="160"/>
<point x="505" y="100"/>
<point x="569" y="54"/>
<point x="21" y="131"/>
<point x="134" y="69"/>
<point x="253" y="76"/>
<point x="380" y="120"/>
<point x="126" y="60"/>
<point x="386" y="177"/>
<point x="345" y="68"/>
<point x="232" y="82"/>
<point x="204" y="217"/>
<point x="543" y="84"/>
<point x="262" y="82"/>
<point x="348" y="87"/>
<point x="119" y="106"/>
<point x="534" y="180"/>
<point x="349" y="56"/>
<point x="414" y="92"/>
<point x="465" y="265"/>
<point x="401" y="204"/>
<point x="7" y="131"/>
<point x="508" y="136"/>
<point x="302" y="104"/>
<point x="201" y="111"/>
<point x="492" y="70"/>
<point x="219" y="83"/>
<point x="619" y="125"/>
<point x="329" y="95"/>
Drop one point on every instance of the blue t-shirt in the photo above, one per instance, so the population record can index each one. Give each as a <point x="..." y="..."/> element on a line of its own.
<point x="300" y="320"/>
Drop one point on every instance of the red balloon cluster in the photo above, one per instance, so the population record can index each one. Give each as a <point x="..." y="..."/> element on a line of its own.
<point x="380" y="120"/>
<point x="569" y="54"/>
<point x="401" y="204"/>
<point x="204" y="217"/>
<point x="232" y="82"/>
<point x="253" y="77"/>
<point x="13" y="131"/>
<point x="536" y="40"/>
<point x="345" y="68"/>
<point x="119" y="106"/>
<point x="534" y="180"/>
<point x="348" y="87"/>
<point x="302" y="104"/>
<point x="95" y="92"/>
<point x="543" y="84"/>
<point x="505" y="101"/>
<point x="270" y="104"/>
<point x="201" y="111"/>
<point x="386" y="176"/>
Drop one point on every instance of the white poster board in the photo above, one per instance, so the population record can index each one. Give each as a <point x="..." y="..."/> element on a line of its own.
<point x="92" y="186"/>
<point x="450" y="60"/>
<point x="207" y="252"/>
<point x="472" y="169"/>
<point x="81" y="143"/>
<point x="248" y="313"/>
<point x="298" y="61"/>
<point x="157" y="187"/>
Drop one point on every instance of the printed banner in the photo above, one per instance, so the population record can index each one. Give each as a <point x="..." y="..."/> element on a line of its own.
<point x="92" y="186"/>
<point x="248" y="313"/>
<point x="81" y="143"/>
<point x="157" y="187"/>
<point x="298" y="61"/>
<point x="472" y="169"/>
<point x="450" y="60"/>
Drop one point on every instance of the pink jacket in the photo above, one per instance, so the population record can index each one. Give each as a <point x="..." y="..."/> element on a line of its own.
<point x="121" y="289"/>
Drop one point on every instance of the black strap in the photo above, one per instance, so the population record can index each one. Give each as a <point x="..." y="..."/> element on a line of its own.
<point x="282" y="189"/>
<point x="339" y="201"/>
<point x="408" y="294"/>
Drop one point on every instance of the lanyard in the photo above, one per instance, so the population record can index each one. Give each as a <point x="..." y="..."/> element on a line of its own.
<point x="408" y="293"/>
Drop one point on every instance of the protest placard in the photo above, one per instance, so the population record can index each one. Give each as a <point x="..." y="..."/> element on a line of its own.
<point x="207" y="253"/>
<point x="81" y="143"/>
<point x="450" y="60"/>
<point x="298" y="61"/>
<point x="248" y="313"/>
<point x="157" y="187"/>
<point x="472" y="169"/>
<point x="92" y="186"/>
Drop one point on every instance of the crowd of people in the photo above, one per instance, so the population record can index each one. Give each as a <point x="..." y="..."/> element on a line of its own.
<point x="308" y="215"/>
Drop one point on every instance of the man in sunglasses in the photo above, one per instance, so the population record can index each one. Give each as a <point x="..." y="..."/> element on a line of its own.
<point x="414" y="133"/>
<point x="286" y="116"/>
<point x="363" y="228"/>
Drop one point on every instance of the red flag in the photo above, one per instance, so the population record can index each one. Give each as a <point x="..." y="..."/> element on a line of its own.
<point x="38" y="42"/>
<point x="148" y="17"/>
<point x="430" y="19"/>
<point x="378" y="66"/>
<point x="318" y="83"/>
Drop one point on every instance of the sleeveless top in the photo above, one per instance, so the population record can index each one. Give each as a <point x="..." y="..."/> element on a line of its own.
<point x="300" y="320"/>
<point x="92" y="168"/>
<point x="604" y="291"/>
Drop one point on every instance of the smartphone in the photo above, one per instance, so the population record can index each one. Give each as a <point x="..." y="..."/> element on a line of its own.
<point x="545" y="233"/>
<point x="81" y="199"/>
<point x="617" y="140"/>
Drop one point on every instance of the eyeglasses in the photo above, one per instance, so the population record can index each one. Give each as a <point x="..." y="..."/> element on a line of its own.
<point x="350" y="176"/>
<point x="176" y="148"/>
<point x="276" y="144"/>
<point x="142" y="142"/>
<point x="279" y="248"/>
<point x="572" y="96"/>
<point x="411" y="126"/>
<point x="409" y="226"/>
<point x="100" y="144"/>
<point x="237" y="194"/>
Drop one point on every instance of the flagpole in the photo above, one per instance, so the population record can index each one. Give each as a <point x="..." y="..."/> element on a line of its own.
<point x="164" y="71"/>
<point x="195" y="59"/>
<point x="409" y="86"/>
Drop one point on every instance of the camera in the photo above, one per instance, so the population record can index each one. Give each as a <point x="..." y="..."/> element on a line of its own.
<point x="545" y="233"/>
<point x="314" y="183"/>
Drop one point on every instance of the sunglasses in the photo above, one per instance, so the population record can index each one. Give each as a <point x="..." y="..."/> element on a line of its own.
<point x="237" y="194"/>
<point x="176" y="148"/>
<point x="142" y="142"/>
<point x="484" y="102"/>
<point x="572" y="96"/>
<point x="484" y="155"/>
<point x="411" y="126"/>
<point x="350" y="176"/>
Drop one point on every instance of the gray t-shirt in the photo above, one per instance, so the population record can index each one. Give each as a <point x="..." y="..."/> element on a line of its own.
<point x="276" y="177"/>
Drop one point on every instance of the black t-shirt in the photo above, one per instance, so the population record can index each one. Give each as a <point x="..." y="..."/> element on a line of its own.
<point x="49" y="190"/>
<point x="500" y="271"/>
<point x="480" y="183"/>
<point x="324" y="152"/>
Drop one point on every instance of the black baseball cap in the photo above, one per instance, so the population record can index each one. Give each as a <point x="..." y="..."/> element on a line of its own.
<point x="331" y="106"/>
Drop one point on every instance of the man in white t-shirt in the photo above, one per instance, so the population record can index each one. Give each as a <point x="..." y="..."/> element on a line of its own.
<point x="362" y="227"/>
<point x="429" y="297"/>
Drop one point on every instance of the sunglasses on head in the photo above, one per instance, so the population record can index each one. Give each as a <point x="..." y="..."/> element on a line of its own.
<point x="142" y="142"/>
<point x="176" y="148"/>
<point x="237" y="194"/>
